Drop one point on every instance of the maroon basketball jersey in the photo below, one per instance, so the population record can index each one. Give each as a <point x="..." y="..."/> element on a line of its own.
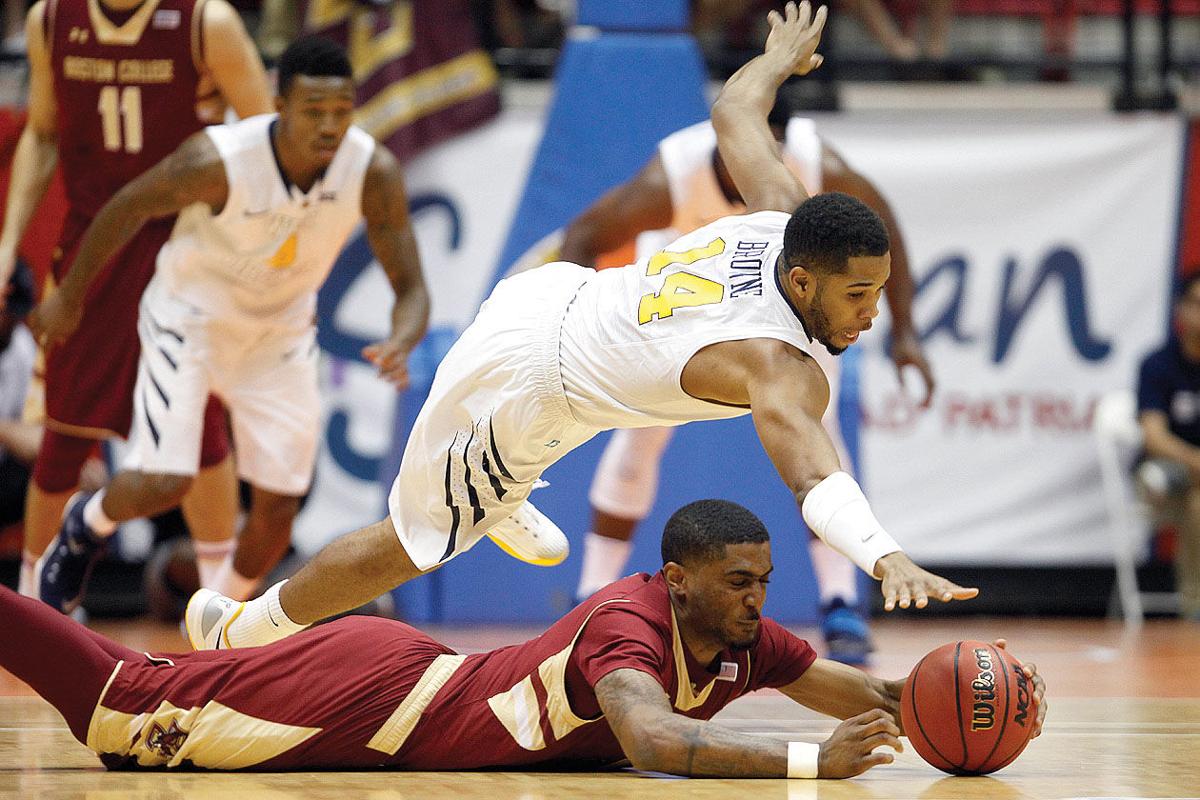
<point x="125" y="85"/>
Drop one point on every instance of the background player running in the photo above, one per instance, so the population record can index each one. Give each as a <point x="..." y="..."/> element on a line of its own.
<point x="265" y="206"/>
<point x="114" y="86"/>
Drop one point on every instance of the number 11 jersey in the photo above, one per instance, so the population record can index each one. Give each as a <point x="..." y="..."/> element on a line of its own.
<point x="125" y="85"/>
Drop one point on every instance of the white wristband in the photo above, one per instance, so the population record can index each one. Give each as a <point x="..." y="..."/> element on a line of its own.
<point x="802" y="759"/>
<point x="838" y="512"/>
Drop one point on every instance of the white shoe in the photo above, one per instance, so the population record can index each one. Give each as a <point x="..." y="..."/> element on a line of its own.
<point x="207" y="620"/>
<point x="530" y="536"/>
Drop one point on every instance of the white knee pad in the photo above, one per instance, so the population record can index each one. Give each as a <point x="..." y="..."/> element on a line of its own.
<point x="626" y="481"/>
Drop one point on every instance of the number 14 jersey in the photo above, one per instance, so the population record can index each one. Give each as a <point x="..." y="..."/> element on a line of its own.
<point x="630" y="331"/>
<point x="125" y="85"/>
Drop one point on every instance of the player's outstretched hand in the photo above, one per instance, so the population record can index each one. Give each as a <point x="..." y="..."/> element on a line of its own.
<point x="795" y="35"/>
<point x="906" y="352"/>
<point x="849" y="750"/>
<point x="905" y="584"/>
<point x="54" y="320"/>
<point x="391" y="357"/>
<point x="1039" y="689"/>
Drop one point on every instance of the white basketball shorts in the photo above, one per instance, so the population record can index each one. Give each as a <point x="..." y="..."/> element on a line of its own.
<point x="265" y="376"/>
<point x="495" y="419"/>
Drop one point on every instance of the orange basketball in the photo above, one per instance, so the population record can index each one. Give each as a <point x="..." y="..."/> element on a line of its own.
<point x="967" y="708"/>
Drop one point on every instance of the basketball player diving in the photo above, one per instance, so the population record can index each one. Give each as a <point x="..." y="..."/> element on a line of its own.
<point x="720" y="324"/>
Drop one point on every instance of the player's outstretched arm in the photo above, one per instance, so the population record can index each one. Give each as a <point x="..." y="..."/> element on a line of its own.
<point x="656" y="739"/>
<point x="194" y="173"/>
<point x="844" y="692"/>
<point x="739" y="114"/>
<point x="389" y="231"/>
<point x="906" y="346"/>
<point x="643" y="203"/>
<point x="787" y="394"/>
<point x="36" y="154"/>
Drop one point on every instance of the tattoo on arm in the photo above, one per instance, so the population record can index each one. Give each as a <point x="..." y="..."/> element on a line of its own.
<point x="389" y="231"/>
<point x="657" y="739"/>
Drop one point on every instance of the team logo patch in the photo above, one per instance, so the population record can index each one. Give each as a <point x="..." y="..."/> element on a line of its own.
<point x="166" y="19"/>
<point x="166" y="742"/>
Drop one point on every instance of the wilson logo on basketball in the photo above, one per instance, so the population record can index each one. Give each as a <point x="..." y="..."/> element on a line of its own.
<point x="983" y="713"/>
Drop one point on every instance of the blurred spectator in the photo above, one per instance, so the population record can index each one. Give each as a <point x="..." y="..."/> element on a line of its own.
<point x="18" y="440"/>
<point x="899" y="44"/>
<point x="1169" y="413"/>
<point x="13" y="42"/>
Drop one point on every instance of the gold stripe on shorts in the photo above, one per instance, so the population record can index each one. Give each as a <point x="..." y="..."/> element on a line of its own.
<point x="392" y="735"/>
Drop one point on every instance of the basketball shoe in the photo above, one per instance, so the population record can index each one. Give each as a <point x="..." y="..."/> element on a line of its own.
<point x="847" y="637"/>
<point x="207" y="619"/>
<point x="68" y="562"/>
<point x="530" y="536"/>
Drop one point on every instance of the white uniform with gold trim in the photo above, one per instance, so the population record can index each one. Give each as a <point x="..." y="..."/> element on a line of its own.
<point x="230" y="312"/>
<point x="560" y="353"/>
<point x="627" y="477"/>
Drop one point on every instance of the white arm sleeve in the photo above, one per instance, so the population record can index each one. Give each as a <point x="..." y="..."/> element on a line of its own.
<point x="838" y="512"/>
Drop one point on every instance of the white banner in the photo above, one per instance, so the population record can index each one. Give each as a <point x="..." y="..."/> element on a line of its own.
<point x="1045" y="253"/>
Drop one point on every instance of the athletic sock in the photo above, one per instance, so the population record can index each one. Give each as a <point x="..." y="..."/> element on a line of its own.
<point x="836" y="575"/>
<point x="25" y="583"/>
<point x="211" y="558"/>
<point x="604" y="561"/>
<point x="262" y="621"/>
<point x="96" y="519"/>
<point x="232" y="583"/>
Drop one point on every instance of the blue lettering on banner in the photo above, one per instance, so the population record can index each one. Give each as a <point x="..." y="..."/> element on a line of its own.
<point x="355" y="259"/>
<point x="1062" y="265"/>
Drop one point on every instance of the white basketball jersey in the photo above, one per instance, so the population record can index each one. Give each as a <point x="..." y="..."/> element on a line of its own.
<point x="696" y="195"/>
<point x="263" y="257"/>
<point x="631" y="330"/>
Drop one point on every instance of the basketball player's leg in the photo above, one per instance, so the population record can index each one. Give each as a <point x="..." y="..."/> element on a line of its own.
<point x="622" y="494"/>
<point x="164" y="453"/>
<point x="348" y="572"/>
<point x="35" y="637"/>
<point x="210" y="507"/>
<point x="56" y="470"/>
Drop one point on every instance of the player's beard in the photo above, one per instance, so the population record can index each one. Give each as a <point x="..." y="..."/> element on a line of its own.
<point x="820" y="327"/>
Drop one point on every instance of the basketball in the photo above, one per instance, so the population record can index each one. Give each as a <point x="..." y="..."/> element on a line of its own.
<point x="968" y="709"/>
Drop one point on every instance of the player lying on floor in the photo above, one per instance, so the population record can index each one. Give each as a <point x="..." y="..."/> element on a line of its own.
<point x="631" y="675"/>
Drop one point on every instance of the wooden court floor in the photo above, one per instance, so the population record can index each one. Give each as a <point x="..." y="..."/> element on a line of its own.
<point x="1124" y="721"/>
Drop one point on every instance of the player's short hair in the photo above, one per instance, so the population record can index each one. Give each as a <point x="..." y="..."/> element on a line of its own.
<point x="314" y="56"/>
<point x="827" y="230"/>
<point x="699" y="531"/>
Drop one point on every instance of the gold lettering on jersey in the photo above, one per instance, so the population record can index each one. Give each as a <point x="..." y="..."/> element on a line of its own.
<point x="96" y="70"/>
<point x="127" y="70"/>
<point x="145" y="70"/>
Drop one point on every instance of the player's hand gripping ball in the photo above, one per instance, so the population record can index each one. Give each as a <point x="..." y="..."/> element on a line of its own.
<point x="968" y="708"/>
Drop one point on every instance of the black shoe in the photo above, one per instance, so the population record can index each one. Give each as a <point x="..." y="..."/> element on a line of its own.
<point x="67" y="564"/>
